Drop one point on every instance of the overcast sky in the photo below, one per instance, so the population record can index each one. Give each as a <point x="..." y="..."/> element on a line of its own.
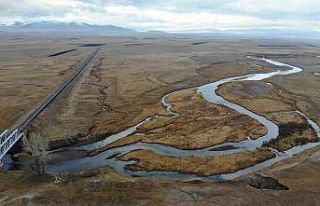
<point x="170" y="15"/>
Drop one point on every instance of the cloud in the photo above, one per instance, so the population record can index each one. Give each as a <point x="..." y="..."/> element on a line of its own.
<point x="34" y="8"/>
<point x="178" y="15"/>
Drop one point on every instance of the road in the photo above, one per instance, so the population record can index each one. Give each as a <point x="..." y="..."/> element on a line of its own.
<point x="26" y="119"/>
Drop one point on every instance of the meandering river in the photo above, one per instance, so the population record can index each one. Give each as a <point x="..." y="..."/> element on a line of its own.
<point x="208" y="91"/>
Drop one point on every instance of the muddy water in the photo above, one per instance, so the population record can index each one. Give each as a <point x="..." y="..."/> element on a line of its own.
<point x="208" y="91"/>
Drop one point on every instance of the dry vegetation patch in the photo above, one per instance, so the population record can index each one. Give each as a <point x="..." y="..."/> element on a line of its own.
<point x="292" y="134"/>
<point x="202" y="166"/>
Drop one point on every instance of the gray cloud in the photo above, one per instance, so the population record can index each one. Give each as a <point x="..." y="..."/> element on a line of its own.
<point x="169" y="15"/>
<point x="27" y="8"/>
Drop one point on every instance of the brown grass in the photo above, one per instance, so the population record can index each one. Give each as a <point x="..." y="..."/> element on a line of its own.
<point x="292" y="134"/>
<point x="203" y="166"/>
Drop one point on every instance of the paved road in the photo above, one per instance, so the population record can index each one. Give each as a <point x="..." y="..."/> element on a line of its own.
<point x="26" y="119"/>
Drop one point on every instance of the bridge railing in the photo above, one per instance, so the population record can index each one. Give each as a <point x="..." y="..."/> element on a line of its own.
<point x="3" y="136"/>
<point x="7" y="140"/>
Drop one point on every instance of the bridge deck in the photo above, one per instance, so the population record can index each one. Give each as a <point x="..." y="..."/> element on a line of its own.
<point x="8" y="140"/>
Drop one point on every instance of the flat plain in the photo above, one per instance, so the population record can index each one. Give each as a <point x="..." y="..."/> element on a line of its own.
<point x="125" y="85"/>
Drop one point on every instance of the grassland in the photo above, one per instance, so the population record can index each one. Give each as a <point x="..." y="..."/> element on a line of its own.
<point x="125" y="85"/>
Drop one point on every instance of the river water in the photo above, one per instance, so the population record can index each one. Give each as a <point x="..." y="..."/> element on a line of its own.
<point x="208" y="91"/>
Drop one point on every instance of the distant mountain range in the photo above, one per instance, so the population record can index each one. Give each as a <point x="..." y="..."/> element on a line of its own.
<point x="90" y="29"/>
<point x="274" y="33"/>
<point x="79" y="28"/>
